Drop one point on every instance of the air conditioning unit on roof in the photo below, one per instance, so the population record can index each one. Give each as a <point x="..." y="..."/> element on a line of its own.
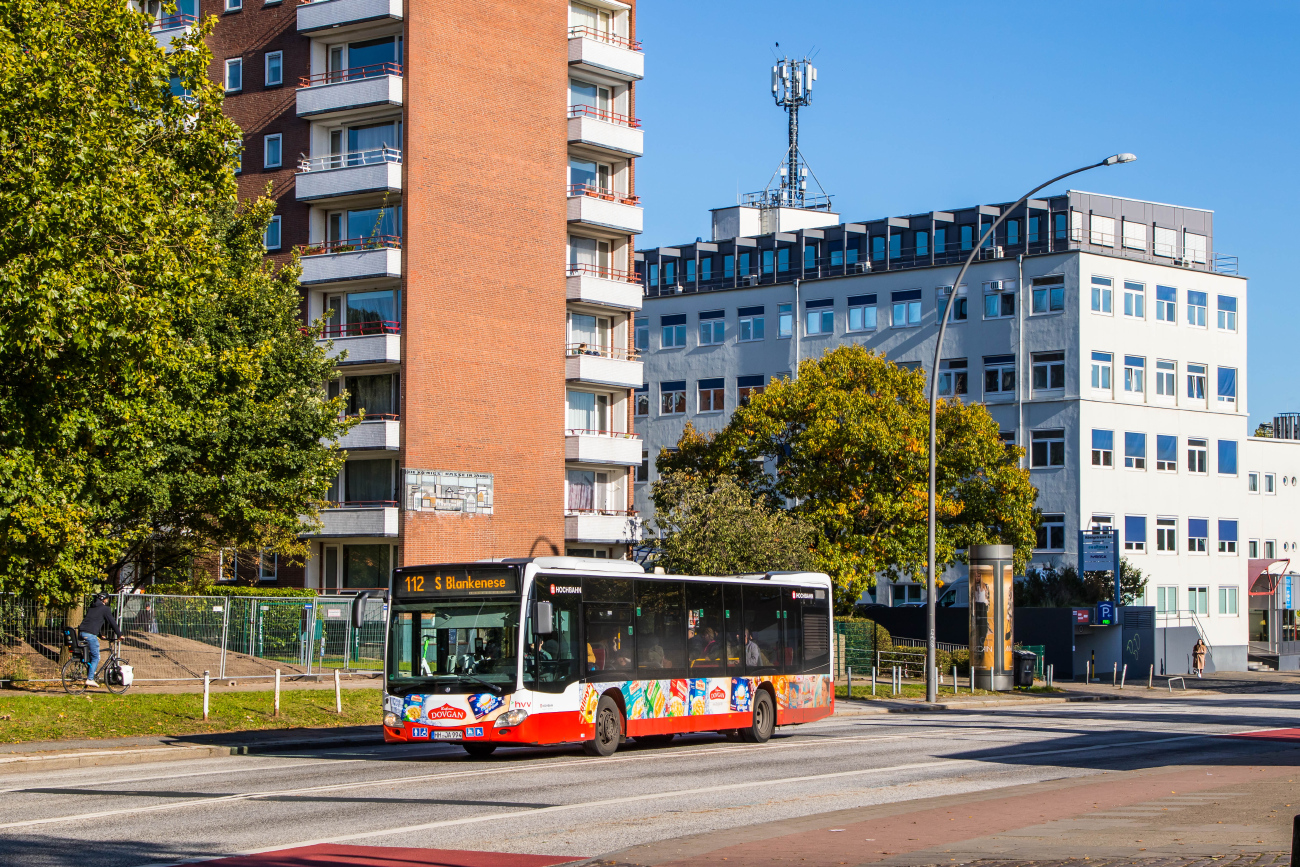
<point x="862" y="267"/>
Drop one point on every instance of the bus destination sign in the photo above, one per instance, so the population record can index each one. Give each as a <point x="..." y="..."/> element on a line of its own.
<point x="456" y="581"/>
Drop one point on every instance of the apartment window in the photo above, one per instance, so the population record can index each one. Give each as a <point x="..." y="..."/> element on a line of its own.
<point x="953" y="377"/>
<point x="907" y="307"/>
<point x="1049" y="292"/>
<point x="819" y="316"/>
<point x="1050" y="533"/>
<point x="1198" y="529"/>
<point x="1101" y="370"/>
<point x="960" y="306"/>
<point x="862" y="312"/>
<point x="713" y="327"/>
<point x="274" y="68"/>
<point x="1228" y="601"/>
<point x="1196" y="381"/>
<point x="227" y="564"/>
<point x="234" y="74"/>
<point x="1134" y="374"/>
<point x="234" y="5"/>
<point x="1197" y="453"/>
<point x="1135" y="450"/>
<point x="1135" y="533"/>
<point x="1047" y="448"/>
<point x="672" y="398"/>
<point x="922" y="244"/>
<point x="271" y="151"/>
<point x="1166" y="600"/>
<point x="267" y="565"/>
<point x="1166" y="304"/>
<point x="1102" y="291"/>
<point x="751" y="323"/>
<point x="1227" y="313"/>
<point x="1270" y="549"/>
<point x="1196" y="304"/>
<point x="1013" y="232"/>
<point x="1198" y="600"/>
<point x="641" y="334"/>
<point x="238" y="147"/>
<point x="1270" y="483"/>
<point x="643" y="468"/>
<point x="999" y="374"/>
<point x="747" y="387"/>
<point x="1135" y="299"/>
<point x="1166" y="453"/>
<point x="641" y="401"/>
<point x="1166" y="377"/>
<point x="1103" y="448"/>
<point x="1227" y="457"/>
<point x="713" y="394"/>
<point x="672" y="331"/>
<point x="999" y="299"/>
<point x="1049" y="370"/>
<point x="784" y="320"/>
<point x="1252" y="483"/>
<point x="272" y="238"/>
<point x="1227" y="537"/>
<point x="1167" y="535"/>
<point x="1252" y="548"/>
<point x="1227" y="384"/>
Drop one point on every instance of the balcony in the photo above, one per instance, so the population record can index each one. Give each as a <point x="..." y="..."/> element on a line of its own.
<point x="602" y="526"/>
<point x="374" y="433"/>
<point x="345" y="16"/>
<point x="170" y="28"/>
<point x="358" y="519"/>
<point x="338" y="176"/>
<point x="602" y="447"/>
<point x="351" y="259"/>
<point x="607" y="287"/>
<point x="604" y="131"/>
<point x="365" y="342"/>
<point x="592" y="50"/>
<point x="344" y="90"/>
<point x="618" y="368"/>
<point x="604" y="209"/>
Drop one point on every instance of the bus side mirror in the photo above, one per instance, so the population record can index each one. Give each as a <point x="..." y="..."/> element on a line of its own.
<point x="543" y="616"/>
<point x="359" y="608"/>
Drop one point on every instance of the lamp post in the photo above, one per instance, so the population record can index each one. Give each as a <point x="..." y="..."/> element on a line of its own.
<point x="931" y="680"/>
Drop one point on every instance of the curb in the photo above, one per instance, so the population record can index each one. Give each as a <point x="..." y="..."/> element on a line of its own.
<point x="858" y="708"/>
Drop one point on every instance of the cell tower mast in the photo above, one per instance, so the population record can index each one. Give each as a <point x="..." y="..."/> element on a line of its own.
<point x="792" y="82"/>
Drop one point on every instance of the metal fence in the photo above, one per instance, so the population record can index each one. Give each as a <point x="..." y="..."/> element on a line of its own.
<point x="181" y="637"/>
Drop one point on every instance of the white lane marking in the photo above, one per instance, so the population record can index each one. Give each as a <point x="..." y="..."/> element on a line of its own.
<point x="72" y="784"/>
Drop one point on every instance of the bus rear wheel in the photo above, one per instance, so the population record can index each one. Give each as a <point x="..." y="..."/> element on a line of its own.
<point x="609" y="729"/>
<point x="654" y="740"/>
<point x="480" y="751"/>
<point x="764" y="719"/>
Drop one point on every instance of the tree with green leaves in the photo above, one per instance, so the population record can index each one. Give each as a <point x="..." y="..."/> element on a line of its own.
<point x="844" y="446"/>
<point x="159" y="396"/>
<point x="1055" y="586"/>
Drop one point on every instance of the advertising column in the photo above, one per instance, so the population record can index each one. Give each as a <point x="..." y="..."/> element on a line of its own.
<point x="991" y="589"/>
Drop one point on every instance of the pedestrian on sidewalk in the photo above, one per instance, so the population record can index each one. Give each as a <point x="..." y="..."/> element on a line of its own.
<point x="1198" y="656"/>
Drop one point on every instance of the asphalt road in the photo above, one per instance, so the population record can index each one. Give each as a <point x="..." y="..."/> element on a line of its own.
<point x="558" y="801"/>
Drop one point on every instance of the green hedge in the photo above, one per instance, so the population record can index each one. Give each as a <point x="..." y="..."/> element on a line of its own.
<point x="230" y="590"/>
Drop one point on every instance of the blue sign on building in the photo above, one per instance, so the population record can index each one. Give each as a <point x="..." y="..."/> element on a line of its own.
<point x="1105" y="613"/>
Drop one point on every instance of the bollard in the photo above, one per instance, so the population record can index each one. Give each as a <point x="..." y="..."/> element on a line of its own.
<point x="873" y="681"/>
<point x="1123" y="676"/>
<point x="206" y="685"/>
<point x="955" y="684"/>
<point x="1051" y="675"/>
<point x="338" y="694"/>
<point x="277" y="692"/>
<point x="1114" y="674"/>
<point x="1151" y="673"/>
<point x="849" y="694"/>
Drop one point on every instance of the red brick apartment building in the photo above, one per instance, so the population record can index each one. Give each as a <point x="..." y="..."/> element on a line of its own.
<point x="417" y="151"/>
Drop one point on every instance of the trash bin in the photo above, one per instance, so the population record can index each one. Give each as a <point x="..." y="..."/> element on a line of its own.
<point x="1025" y="661"/>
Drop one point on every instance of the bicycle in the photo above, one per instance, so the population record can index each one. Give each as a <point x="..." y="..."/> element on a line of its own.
<point x="76" y="671"/>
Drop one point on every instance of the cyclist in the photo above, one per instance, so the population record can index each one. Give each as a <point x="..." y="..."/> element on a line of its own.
<point x="99" y="616"/>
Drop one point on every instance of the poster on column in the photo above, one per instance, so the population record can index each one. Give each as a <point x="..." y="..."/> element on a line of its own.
<point x="1008" y="591"/>
<point x="981" y="617"/>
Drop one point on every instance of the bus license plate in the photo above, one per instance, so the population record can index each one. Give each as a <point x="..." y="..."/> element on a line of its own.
<point x="447" y="734"/>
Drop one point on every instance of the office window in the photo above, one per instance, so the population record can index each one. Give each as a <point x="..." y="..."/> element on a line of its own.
<point x="1167" y="535"/>
<point x="1252" y="548"/>
<point x="670" y="273"/>
<point x="706" y="269"/>
<point x="862" y="312"/>
<point x="810" y="257"/>
<point x="672" y="398"/>
<point x="728" y="266"/>
<point x="895" y="246"/>
<point x="1227" y="457"/>
<point x="878" y="248"/>
<point x="1227" y="537"/>
<point x="1050" y="533"/>
<point x="641" y="334"/>
<point x="274" y="68"/>
<point x="1103" y="448"/>
<point x="1135" y="374"/>
<point x="784" y="320"/>
<point x="641" y="401"/>
<point x="1164" y="242"/>
<point x="1102" y="291"/>
<point x="850" y="252"/>
<point x="1135" y="533"/>
<point x="1270" y="483"/>
<point x="967" y="238"/>
<point x="940" y="240"/>
<point x="1101" y="370"/>
<point x="1166" y="304"/>
<point x="713" y="327"/>
<point x="713" y="395"/>
<point x="234" y="74"/>
<point x="999" y="374"/>
<point x="1135" y="298"/>
<point x="750" y="323"/>
<point x="672" y="331"/>
<point x="1196" y="381"/>
<point x="768" y="256"/>
<point x="1049" y="370"/>
<point x="1166" y="377"/>
<point x="1049" y="292"/>
<point x="271" y="151"/>
<point x="1047" y="448"/>
<point x="1166" y="453"/>
<point x="960" y="307"/>
<point x="1061" y="227"/>
<point x="922" y="244"/>
<point x="1227" y="384"/>
<point x="1227" y="313"/>
<point x="1198" y="600"/>
<point x="1166" y="600"/>
<point x="1270" y="549"/>
<point x="1103" y="230"/>
<point x="783" y="259"/>
<point x="1197" y="453"/>
<point x="1034" y="228"/>
<point x="819" y="316"/>
<point x="643" y="468"/>
<point x="747" y="387"/>
<point x="1134" y="235"/>
<point x="1196" y="303"/>
<point x="1198" y="529"/>
<point x="1194" y="247"/>
<point x="1135" y="450"/>
<point x="1228" y="601"/>
<point x="907" y="307"/>
<point x="654" y="274"/>
<point x="690" y="270"/>
<point x="999" y="299"/>
<point x="742" y="266"/>
<point x="952" y="377"/>
<point x="272" y="238"/>
<point x="1012" y="228"/>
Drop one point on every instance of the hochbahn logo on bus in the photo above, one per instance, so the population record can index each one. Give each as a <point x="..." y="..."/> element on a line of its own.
<point x="446" y="712"/>
<point x="560" y="588"/>
<point x="795" y="594"/>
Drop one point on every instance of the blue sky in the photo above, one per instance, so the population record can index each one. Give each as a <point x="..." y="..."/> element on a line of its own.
<point x="941" y="105"/>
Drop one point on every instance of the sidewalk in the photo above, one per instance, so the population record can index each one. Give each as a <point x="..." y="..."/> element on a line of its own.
<point x="348" y="680"/>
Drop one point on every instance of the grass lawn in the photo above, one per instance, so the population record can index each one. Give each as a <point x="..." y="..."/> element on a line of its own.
<point x="100" y="715"/>
<point x="917" y="691"/>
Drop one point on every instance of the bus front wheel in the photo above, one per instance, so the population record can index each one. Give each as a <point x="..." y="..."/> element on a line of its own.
<point x="480" y="751"/>
<point x="609" y="729"/>
<point x="764" y="719"/>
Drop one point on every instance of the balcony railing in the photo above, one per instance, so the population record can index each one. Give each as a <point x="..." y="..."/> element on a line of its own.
<point x="351" y="245"/>
<point x="373" y="416"/>
<point x="615" y="513"/>
<point x="576" y="349"/>
<point x="612" y="434"/>
<point x="602" y="36"/>
<point x="603" y="273"/>
<point x="171" y="22"/>
<point x="607" y="116"/>
<point x="362" y="329"/>
<point x="358" y="504"/>
<point x="355" y="73"/>
<point x="602" y="193"/>
<point x="371" y="157"/>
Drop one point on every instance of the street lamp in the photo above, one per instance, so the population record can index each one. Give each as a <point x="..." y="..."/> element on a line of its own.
<point x="931" y="673"/>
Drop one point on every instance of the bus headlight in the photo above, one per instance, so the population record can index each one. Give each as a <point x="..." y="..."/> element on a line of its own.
<point x="391" y="720"/>
<point x="511" y="718"/>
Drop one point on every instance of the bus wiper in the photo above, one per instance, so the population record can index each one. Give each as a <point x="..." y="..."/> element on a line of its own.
<point x="492" y="686"/>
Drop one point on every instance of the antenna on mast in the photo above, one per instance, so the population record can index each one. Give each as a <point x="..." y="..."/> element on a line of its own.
<point x="792" y="84"/>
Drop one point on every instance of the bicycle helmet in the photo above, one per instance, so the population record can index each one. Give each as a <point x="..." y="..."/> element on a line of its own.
<point x="101" y="597"/>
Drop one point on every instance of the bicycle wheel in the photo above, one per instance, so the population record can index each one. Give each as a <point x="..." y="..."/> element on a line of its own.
<point x="111" y="676"/>
<point x="75" y="674"/>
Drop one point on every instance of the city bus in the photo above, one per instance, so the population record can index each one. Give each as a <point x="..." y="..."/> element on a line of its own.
<point x="575" y="650"/>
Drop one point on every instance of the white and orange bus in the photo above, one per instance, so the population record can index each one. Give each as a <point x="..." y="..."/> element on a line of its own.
<point x="555" y="650"/>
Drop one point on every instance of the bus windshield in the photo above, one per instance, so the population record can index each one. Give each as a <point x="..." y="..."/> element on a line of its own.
<point x="465" y="645"/>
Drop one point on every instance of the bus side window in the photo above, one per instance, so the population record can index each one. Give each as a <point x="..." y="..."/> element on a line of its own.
<point x="553" y="660"/>
<point x="704" y="630"/>
<point x="660" y="630"/>
<point x="817" y="635"/>
<point x="762" y="635"/>
<point x="792" y="632"/>
<point x="735" y="630"/>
